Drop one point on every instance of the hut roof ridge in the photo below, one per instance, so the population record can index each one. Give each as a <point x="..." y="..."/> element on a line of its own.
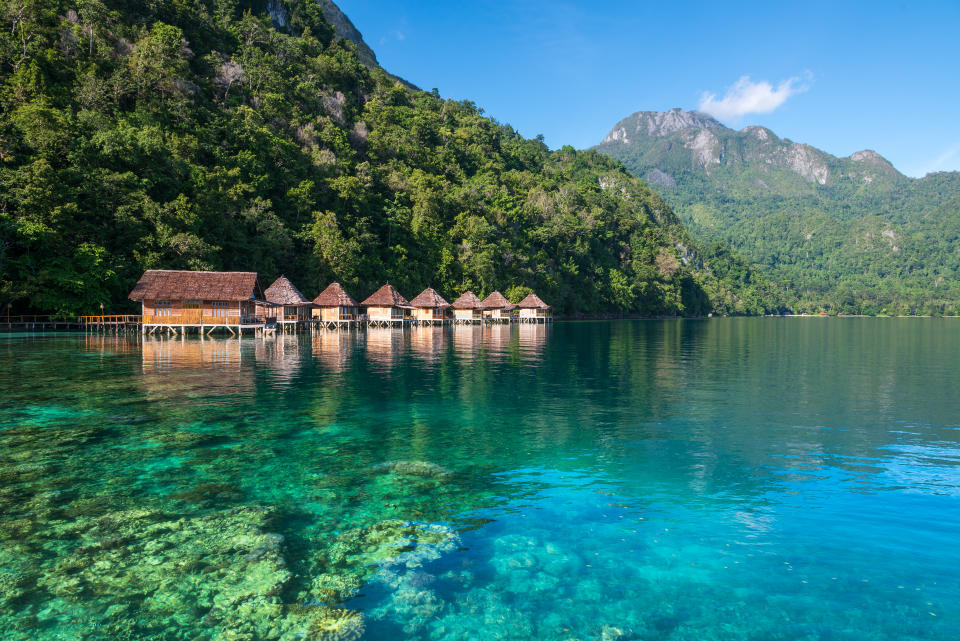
<point x="496" y="300"/>
<point x="386" y="296"/>
<point x="283" y="292"/>
<point x="532" y="301"/>
<point x="468" y="300"/>
<point x="183" y="284"/>
<point x="335" y="296"/>
<point x="429" y="299"/>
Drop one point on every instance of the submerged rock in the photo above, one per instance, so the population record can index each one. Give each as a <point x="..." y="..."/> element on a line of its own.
<point x="414" y="468"/>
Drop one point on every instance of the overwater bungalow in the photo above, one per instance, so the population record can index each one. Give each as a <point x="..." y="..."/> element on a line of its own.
<point x="468" y="308"/>
<point x="334" y="307"/>
<point x="386" y="307"/>
<point x="497" y="308"/>
<point x="176" y="300"/>
<point x="534" y="310"/>
<point x="430" y="308"/>
<point x="292" y="308"/>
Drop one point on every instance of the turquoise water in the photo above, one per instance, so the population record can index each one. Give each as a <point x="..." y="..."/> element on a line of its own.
<point x="721" y="479"/>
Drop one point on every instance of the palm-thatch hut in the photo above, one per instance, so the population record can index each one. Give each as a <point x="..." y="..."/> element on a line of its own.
<point x="292" y="306"/>
<point x="387" y="306"/>
<point x="534" y="310"/>
<point x="496" y="307"/>
<point x="334" y="307"/>
<point x="429" y="307"/>
<point x="171" y="298"/>
<point x="468" y="308"/>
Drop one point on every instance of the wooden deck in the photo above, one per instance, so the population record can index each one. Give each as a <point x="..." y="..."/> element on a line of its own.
<point x="205" y="324"/>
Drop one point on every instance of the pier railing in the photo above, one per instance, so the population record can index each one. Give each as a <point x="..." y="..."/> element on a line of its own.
<point x="191" y="317"/>
<point x="113" y="319"/>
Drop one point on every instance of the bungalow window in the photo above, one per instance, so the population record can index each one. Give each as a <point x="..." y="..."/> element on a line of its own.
<point x="161" y="308"/>
<point x="220" y="308"/>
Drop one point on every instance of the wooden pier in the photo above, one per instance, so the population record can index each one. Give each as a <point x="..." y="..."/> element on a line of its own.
<point x="32" y="323"/>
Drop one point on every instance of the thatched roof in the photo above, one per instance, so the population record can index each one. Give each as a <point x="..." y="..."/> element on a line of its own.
<point x="283" y="292"/>
<point x="335" y="296"/>
<point x="386" y="296"/>
<point x="164" y="284"/>
<point x="532" y="301"/>
<point x="468" y="300"/>
<point x="429" y="299"/>
<point x="496" y="300"/>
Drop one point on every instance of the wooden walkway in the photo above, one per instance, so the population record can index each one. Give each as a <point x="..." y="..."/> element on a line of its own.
<point x="178" y="325"/>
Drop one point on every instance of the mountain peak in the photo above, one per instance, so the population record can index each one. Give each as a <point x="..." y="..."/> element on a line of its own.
<point x="659" y="124"/>
<point x="870" y="156"/>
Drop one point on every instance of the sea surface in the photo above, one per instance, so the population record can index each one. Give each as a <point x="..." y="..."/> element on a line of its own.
<point x="728" y="479"/>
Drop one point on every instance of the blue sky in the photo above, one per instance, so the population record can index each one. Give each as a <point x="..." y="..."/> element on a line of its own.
<point x="841" y="76"/>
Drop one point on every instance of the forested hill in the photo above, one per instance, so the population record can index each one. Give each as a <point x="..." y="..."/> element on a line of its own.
<point x="234" y="134"/>
<point x="848" y="234"/>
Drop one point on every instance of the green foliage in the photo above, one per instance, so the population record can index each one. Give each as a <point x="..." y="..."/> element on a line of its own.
<point x="868" y="240"/>
<point x="200" y="135"/>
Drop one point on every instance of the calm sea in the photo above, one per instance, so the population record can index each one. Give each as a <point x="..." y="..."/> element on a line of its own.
<point x="685" y="480"/>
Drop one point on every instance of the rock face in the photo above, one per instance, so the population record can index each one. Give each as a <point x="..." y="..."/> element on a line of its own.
<point x="344" y="28"/>
<point x="678" y="141"/>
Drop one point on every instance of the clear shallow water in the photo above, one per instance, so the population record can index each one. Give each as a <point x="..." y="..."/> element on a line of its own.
<point x="727" y="479"/>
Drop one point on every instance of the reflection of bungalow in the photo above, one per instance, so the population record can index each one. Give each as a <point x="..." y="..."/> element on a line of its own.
<point x="497" y="339"/>
<point x="383" y="345"/>
<point x="496" y="307"/>
<point x="427" y="342"/>
<point x="467" y="339"/>
<point x="429" y="307"/>
<point x="387" y="307"/>
<point x="468" y="308"/>
<point x="334" y="307"/>
<point x="180" y="299"/>
<point x="531" y="337"/>
<point x="534" y="310"/>
<point x="333" y="349"/>
<point x="159" y="354"/>
<point x="295" y="306"/>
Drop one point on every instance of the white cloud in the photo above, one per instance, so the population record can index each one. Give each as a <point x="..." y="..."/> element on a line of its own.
<point x="748" y="97"/>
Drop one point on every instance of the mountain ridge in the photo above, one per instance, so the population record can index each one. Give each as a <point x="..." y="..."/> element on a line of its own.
<point x="831" y="228"/>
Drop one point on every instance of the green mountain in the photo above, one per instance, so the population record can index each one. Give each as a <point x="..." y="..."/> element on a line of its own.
<point x="847" y="234"/>
<point x="245" y="134"/>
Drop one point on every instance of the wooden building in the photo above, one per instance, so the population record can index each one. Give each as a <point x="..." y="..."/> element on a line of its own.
<point x="386" y="307"/>
<point x="334" y="307"/>
<point x="468" y="308"/>
<point x="534" y="310"/>
<point x="430" y="308"/>
<point x="179" y="299"/>
<point x="497" y="308"/>
<point x="292" y="308"/>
